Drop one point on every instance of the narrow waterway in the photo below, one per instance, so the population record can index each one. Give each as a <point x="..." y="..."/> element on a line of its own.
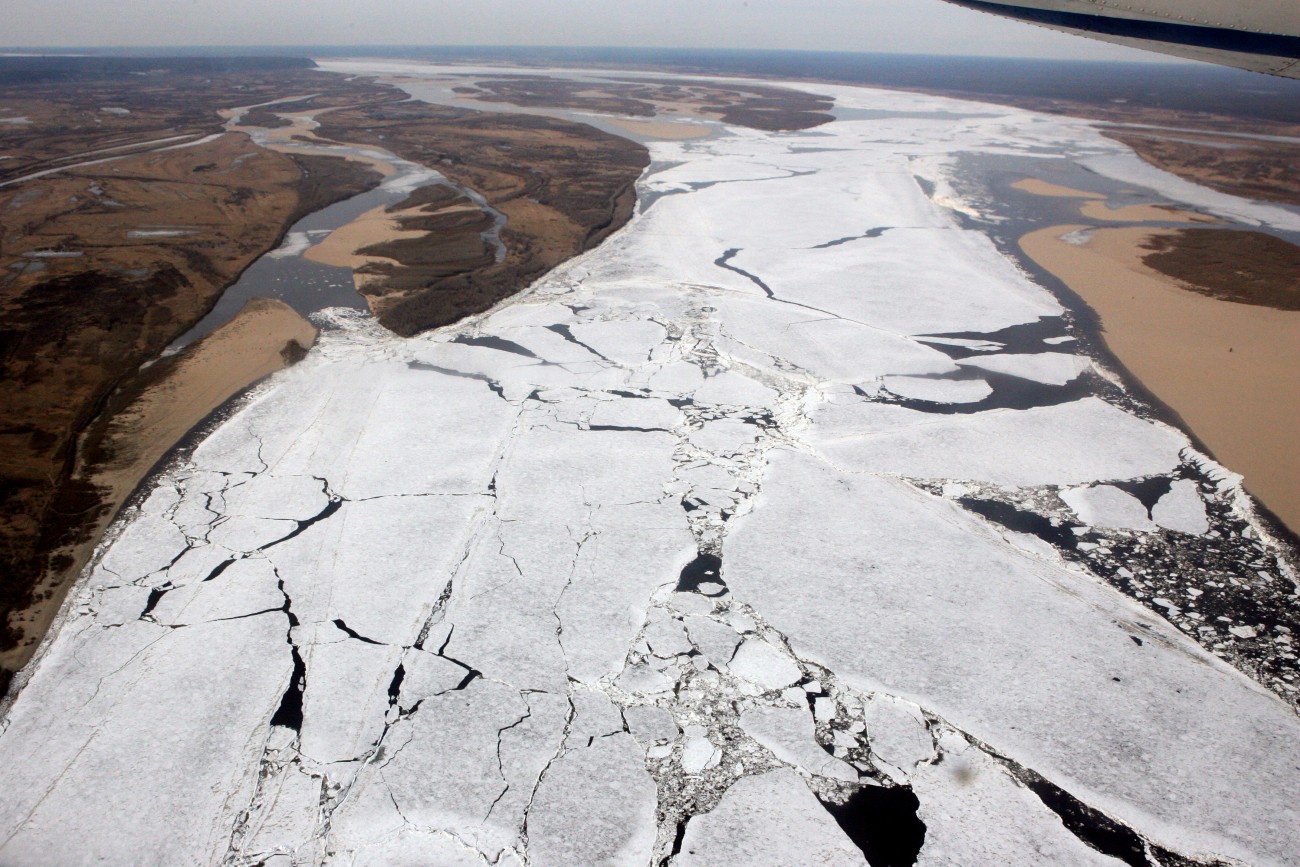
<point x="284" y="274"/>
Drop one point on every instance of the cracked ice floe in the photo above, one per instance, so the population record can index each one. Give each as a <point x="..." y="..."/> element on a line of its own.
<point x="644" y="567"/>
<point x="933" y="624"/>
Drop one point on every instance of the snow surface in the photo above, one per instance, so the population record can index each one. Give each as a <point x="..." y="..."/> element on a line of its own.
<point x="443" y="600"/>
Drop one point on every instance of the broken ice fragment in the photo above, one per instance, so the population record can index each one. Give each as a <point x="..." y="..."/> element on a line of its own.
<point x="641" y="679"/>
<point x="788" y="733"/>
<point x="667" y="639"/>
<point x="762" y="664"/>
<point x="898" y="733"/>
<point x="650" y="724"/>
<point x="1107" y="506"/>
<point x="771" y="820"/>
<point x="699" y="755"/>
<point x="595" y="805"/>
<point x="1182" y="509"/>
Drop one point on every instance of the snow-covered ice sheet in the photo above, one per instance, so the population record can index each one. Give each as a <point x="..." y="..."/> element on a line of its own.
<point x="650" y="565"/>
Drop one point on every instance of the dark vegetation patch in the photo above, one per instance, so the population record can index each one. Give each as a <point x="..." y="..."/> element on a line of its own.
<point x="755" y="106"/>
<point x="23" y="70"/>
<point x="1245" y="267"/>
<point x="1266" y="170"/>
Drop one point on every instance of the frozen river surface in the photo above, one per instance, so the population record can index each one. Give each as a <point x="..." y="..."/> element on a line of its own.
<point x="670" y="560"/>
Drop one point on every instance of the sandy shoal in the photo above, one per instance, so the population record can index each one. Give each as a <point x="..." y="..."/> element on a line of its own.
<point x="1231" y="371"/>
<point x="1044" y="188"/>
<point x="662" y="129"/>
<point x="214" y="370"/>
<point x="1095" y="210"/>
<point x="341" y="248"/>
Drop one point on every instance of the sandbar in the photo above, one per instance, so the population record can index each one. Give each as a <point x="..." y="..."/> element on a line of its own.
<point x="341" y="248"/>
<point x="1230" y="371"/>
<point x="1039" y="187"/>
<point x="662" y="129"/>
<point x="1095" y="210"/>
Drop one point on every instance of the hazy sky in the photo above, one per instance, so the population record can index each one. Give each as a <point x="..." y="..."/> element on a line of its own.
<point x="911" y="26"/>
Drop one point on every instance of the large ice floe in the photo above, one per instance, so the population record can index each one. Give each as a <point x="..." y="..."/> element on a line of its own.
<point x="715" y="547"/>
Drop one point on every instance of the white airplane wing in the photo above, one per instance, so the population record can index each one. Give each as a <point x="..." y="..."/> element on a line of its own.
<point x="1258" y="35"/>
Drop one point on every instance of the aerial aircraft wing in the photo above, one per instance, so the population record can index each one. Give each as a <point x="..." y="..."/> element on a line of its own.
<point x="1258" y="35"/>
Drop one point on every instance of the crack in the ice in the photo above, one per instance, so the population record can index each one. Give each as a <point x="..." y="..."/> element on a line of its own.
<point x="560" y="750"/>
<point x="867" y="235"/>
<point x="567" y="333"/>
<point x="501" y="766"/>
<point x="492" y="384"/>
<point x="351" y="633"/>
<point x="724" y="261"/>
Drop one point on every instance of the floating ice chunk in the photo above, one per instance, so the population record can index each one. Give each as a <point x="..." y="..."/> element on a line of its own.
<point x="596" y="805"/>
<point x="938" y="390"/>
<point x="715" y="640"/>
<point x="465" y="763"/>
<point x="1051" y="368"/>
<point x="146" y="545"/>
<point x="823" y="709"/>
<point x="295" y="498"/>
<point x="1039" y="668"/>
<point x="555" y="473"/>
<point x="293" y="805"/>
<point x="975" y="813"/>
<point x="724" y="436"/>
<point x="952" y="281"/>
<point x="700" y="754"/>
<point x="733" y="389"/>
<point x="295" y="244"/>
<point x="641" y="414"/>
<point x="408" y="846"/>
<point x="496" y="610"/>
<point x="594" y="715"/>
<point x="667" y="638"/>
<point x="897" y="733"/>
<point x="650" y="724"/>
<point x="788" y="733"/>
<point x="346" y="695"/>
<point x="1073" y="443"/>
<point x="644" y="680"/>
<point x="426" y="674"/>
<point x="615" y="575"/>
<point x="770" y="820"/>
<point x="1182" y="509"/>
<point x="245" y="587"/>
<point x="140" y="678"/>
<point x="549" y="347"/>
<point x="1109" y="507"/>
<point x="160" y="499"/>
<point x="677" y="378"/>
<point x="834" y="349"/>
<point x="627" y="342"/>
<point x="374" y="564"/>
<point x="762" y="664"/>
<point x="114" y="606"/>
